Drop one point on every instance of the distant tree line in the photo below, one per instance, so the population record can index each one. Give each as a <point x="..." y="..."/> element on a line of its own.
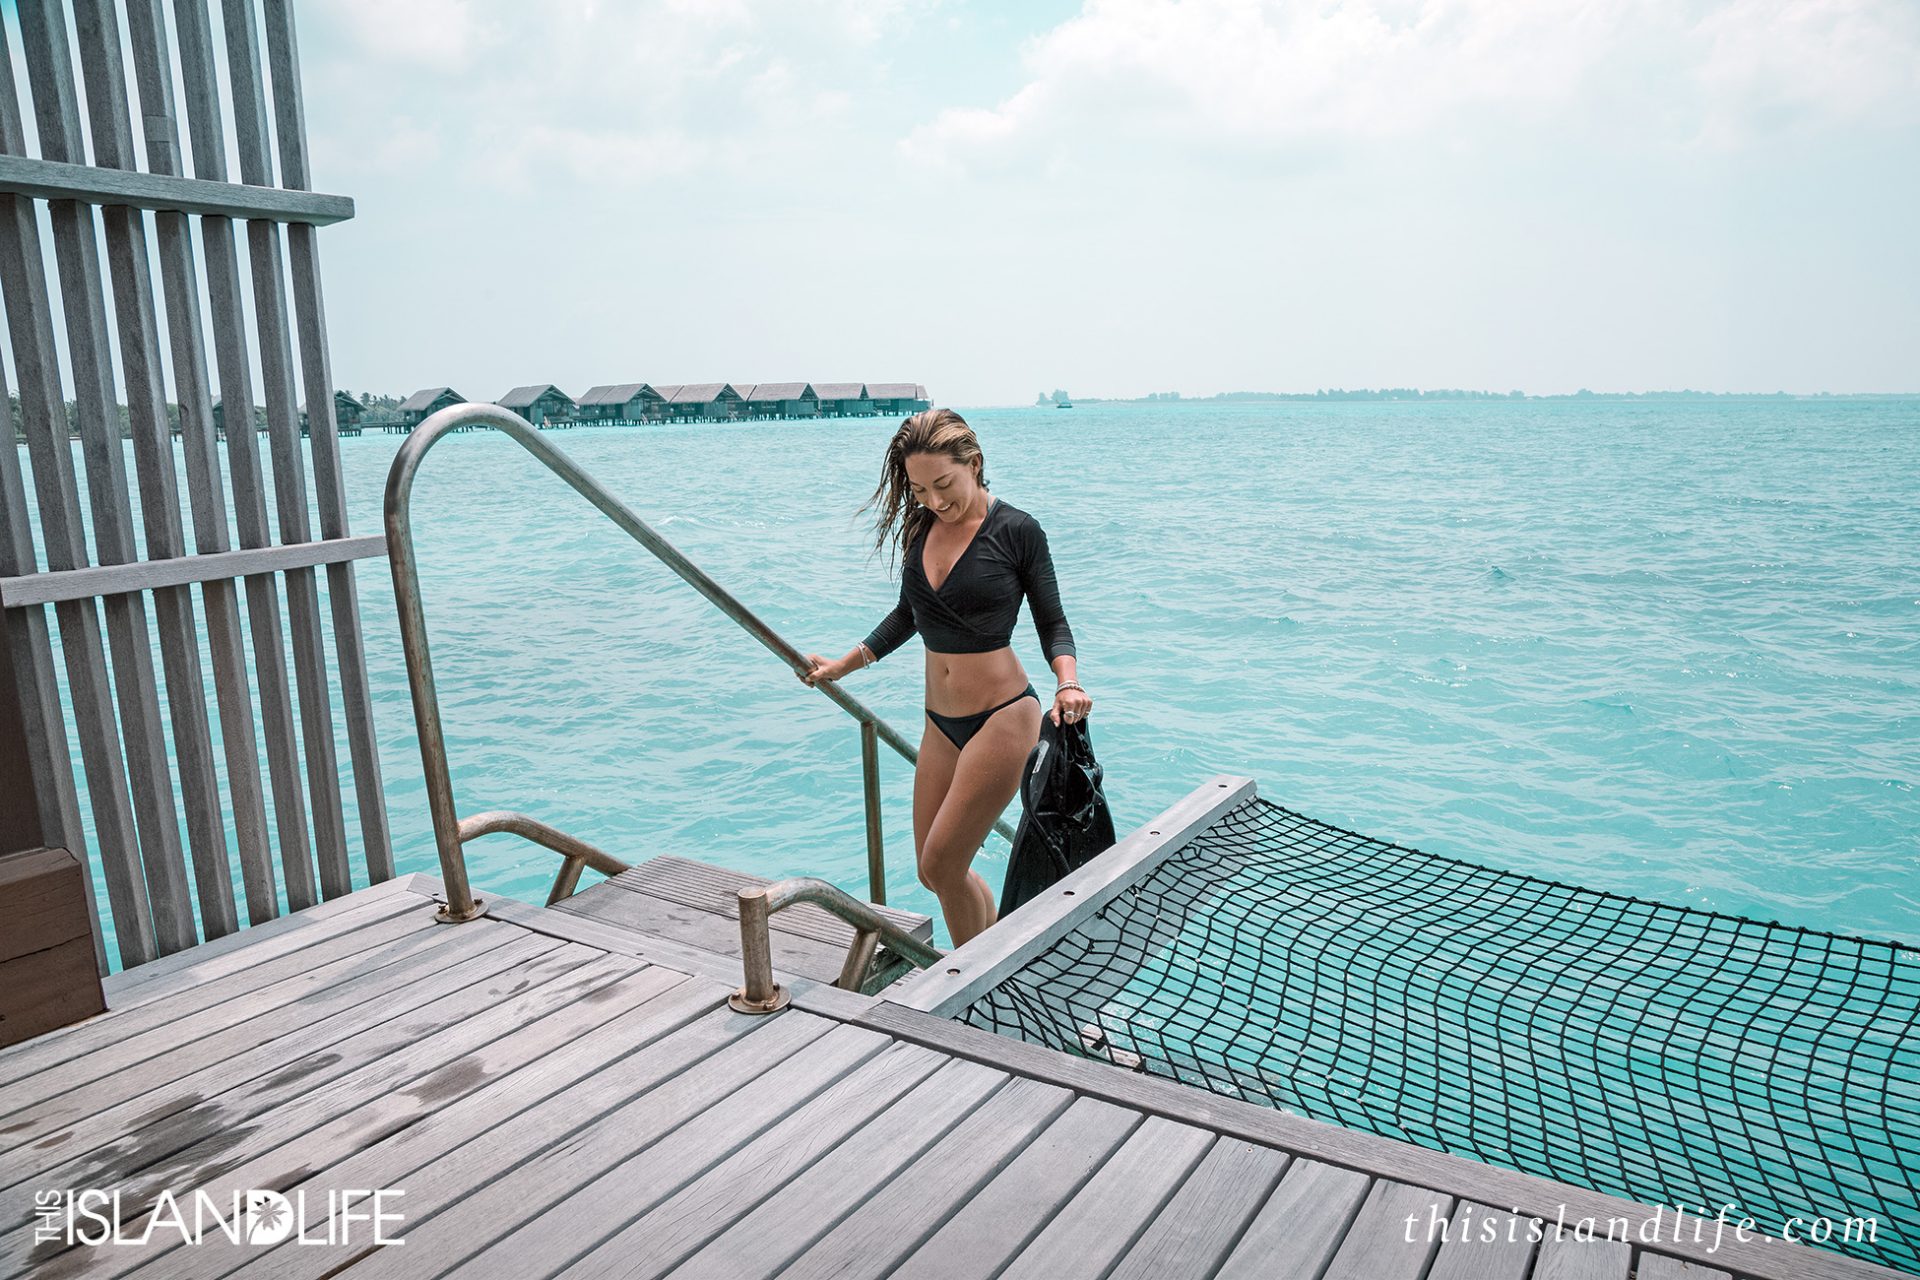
<point x="376" y="409"/>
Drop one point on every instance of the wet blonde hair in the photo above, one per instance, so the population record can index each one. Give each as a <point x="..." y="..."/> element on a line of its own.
<point x="902" y="517"/>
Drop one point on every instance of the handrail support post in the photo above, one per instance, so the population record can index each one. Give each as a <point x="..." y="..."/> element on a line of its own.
<point x="870" y="782"/>
<point x="760" y="994"/>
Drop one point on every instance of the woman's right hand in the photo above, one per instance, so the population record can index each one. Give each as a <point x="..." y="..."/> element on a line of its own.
<point x="820" y="669"/>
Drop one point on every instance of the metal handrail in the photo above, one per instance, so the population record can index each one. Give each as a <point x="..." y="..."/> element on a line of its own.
<point x="447" y="837"/>
<point x="576" y="854"/>
<point x="761" y="994"/>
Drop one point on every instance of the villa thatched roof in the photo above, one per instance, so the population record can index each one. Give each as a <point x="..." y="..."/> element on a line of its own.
<point x="521" y="397"/>
<point x="424" y="398"/>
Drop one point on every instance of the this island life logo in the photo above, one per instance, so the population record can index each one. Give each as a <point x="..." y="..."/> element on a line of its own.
<point x="268" y="1218"/>
<point x="257" y="1217"/>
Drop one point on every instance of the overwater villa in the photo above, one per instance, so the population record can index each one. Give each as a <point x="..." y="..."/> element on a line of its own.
<point x="622" y="403"/>
<point x="701" y="402"/>
<point x="897" y="397"/>
<point x="542" y="404"/>
<point x="1240" y="1042"/>
<point x="416" y="408"/>
<point x="778" y="400"/>
<point x="843" y="399"/>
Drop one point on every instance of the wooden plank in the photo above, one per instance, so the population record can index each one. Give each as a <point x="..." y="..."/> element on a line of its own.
<point x="147" y="1092"/>
<point x="206" y="489"/>
<point x="632" y="942"/>
<point x="136" y="689"/>
<point x="554" y="1228"/>
<point x="56" y="180"/>
<point x="704" y="929"/>
<point x="898" y="1216"/>
<point x="993" y="1226"/>
<point x="180" y="570"/>
<point x="278" y="396"/>
<point x="1369" y="1153"/>
<point x="1658" y="1266"/>
<point x="972" y="968"/>
<point x="303" y="252"/>
<point x="1297" y="1231"/>
<point x="131" y="987"/>
<point x="448" y="1240"/>
<point x="1087" y="1235"/>
<point x="1570" y="1259"/>
<point x="700" y="884"/>
<point x="763" y="1241"/>
<point x="592" y="994"/>
<point x="442" y="1143"/>
<point x="1484" y="1243"/>
<point x="181" y="1119"/>
<point x="653" y="1242"/>
<point x="1390" y="1239"/>
<point x="233" y="362"/>
<point x="97" y="28"/>
<point x="1198" y="1227"/>
<point x="43" y="417"/>
<point x="101" y="1044"/>
<point x="490" y="1146"/>
<point x="402" y="1066"/>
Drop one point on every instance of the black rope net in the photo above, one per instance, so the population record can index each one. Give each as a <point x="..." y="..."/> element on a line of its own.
<point x="1678" y="1057"/>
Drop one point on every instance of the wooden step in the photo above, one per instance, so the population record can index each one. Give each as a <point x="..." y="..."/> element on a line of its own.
<point x="698" y="904"/>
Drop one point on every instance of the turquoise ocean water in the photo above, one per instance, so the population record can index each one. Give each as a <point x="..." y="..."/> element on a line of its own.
<point x="1669" y="649"/>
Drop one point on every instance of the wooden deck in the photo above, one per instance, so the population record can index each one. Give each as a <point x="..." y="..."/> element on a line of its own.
<point x="555" y="1095"/>
<point x="699" y="904"/>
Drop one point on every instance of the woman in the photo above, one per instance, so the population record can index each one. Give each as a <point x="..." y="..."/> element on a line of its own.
<point x="967" y="557"/>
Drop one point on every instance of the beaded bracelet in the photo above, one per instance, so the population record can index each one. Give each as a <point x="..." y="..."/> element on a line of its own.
<point x="1070" y="684"/>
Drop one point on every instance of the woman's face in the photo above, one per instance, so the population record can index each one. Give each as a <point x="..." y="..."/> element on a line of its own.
<point x="944" y="486"/>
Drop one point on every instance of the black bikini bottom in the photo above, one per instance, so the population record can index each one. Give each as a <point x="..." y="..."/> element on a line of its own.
<point x="960" y="728"/>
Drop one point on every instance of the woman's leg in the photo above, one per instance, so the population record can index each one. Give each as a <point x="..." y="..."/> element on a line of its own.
<point x="985" y="778"/>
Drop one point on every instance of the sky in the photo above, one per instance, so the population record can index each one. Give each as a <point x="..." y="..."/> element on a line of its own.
<point x="1121" y="197"/>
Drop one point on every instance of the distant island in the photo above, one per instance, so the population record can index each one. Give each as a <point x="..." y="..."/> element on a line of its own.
<point x="1415" y="393"/>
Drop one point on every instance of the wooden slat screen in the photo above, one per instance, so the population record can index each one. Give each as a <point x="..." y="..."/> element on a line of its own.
<point x="166" y="835"/>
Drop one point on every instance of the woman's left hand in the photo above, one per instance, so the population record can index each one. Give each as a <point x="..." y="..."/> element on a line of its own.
<point x="1074" y="704"/>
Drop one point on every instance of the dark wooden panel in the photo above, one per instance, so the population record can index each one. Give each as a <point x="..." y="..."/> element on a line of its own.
<point x="48" y="978"/>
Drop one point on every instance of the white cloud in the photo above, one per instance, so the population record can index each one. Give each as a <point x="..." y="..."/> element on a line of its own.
<point x="1281" y="73"/>
<point x="446" y="35"/>
<point x="616" y="91"/>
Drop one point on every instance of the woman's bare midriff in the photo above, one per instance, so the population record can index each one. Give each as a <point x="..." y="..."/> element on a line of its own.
<point x="959" y="684"/>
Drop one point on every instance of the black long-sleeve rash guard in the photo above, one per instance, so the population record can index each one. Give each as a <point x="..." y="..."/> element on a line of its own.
<point x="976" y="606"/>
